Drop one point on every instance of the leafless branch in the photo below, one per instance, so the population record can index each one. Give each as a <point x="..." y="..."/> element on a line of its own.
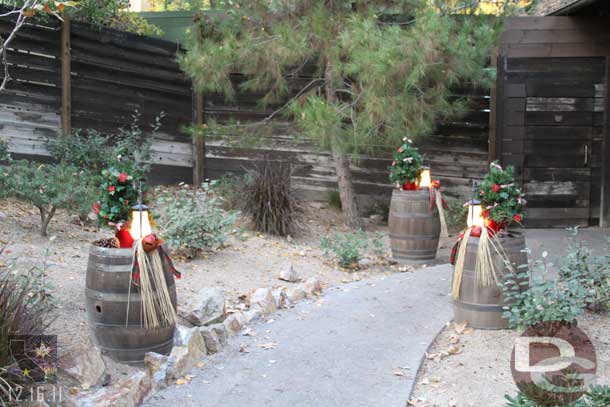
<point x="4" y="43"/>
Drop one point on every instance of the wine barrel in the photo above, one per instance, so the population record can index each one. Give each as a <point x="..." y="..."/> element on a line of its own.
<point x="482" y="307"/>
<point x="121" y="336"/>
<point x="415" y="227"/>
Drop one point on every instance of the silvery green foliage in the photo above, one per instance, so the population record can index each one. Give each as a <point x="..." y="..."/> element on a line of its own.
<point x="347" y="247"/>
<point x="192" y="220"/>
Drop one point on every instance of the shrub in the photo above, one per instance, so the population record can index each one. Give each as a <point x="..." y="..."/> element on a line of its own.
<point x="48" y="187"/>
<point x="3" y="150"/>
<point x="23" y="311"/>
<point x="347" y="247"/>
<point x="542" y="300"/>
<point x="597" y="396"/>
<point x="456" y="214"/>
<point x="269" y="201"/>
<point x="334" y="199"/>
<point x="230" y="189"/>
<point x="192" y="220"/>
<point x="591" y="273"/>
<point x="116" y="164"/>
<point x="407" y="164"/>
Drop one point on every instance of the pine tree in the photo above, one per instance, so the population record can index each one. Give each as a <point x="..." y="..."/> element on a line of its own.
<point x="383" y="69"/>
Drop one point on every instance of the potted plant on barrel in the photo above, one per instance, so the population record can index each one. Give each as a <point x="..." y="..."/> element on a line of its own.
<point x="413" y="221"/>
<point x="501" y="199"/>
<point x="130" y="291"/>
<point x="486" y="254"/>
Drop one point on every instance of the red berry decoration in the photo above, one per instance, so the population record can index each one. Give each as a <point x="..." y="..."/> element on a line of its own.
<point x="496" y="188"/>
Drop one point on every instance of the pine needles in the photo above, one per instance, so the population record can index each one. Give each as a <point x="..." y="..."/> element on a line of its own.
<point x="269" y="200"/>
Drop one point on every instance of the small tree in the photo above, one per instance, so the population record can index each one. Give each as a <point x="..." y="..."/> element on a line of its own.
<point x="47" y="187"/>
<point x="383" y="69"/>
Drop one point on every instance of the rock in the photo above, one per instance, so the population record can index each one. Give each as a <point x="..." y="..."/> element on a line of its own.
<point x="205" y="308"/>
<point x="215" y="337"/>
<point x="129" y="392"/>
<point x="262" y="299"/>
<point x="252" y="315"/>
<point x="365" y="262"/>
<point x="376" y="218"/>
<point x="181" y="335"/>
<point x="312" y="286"/>
<point x="296" y="293"/>
<point x="289" y="274"/>
<point x="156" y="367"/>
<point x="235" y="322"/>
<point x="190" y="349"/>
<point x="281" y="299"/>
<point x="84" y="364"/>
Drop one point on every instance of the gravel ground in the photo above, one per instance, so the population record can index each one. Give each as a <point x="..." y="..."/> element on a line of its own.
<point x="479" y="373"/>
<point x="248" y="261"/>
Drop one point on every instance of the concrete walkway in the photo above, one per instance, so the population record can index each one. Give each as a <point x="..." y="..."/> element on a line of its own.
<point x="339" y="351"/>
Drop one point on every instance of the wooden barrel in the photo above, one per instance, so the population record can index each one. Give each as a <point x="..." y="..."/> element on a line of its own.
<point x="119" y="336"/>
<point x="414" y="226"/>
<point x="482" y="307"/>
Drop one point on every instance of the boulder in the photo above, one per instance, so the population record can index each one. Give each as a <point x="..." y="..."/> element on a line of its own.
<point x="156" y="367"/>
<point x="312" y="286"/>
<point x="187" y="351"/>
<point x="235" y="322"/>
<point x="129" y="392"/>
<point x="84" y="364"/>
<point x="205" y="308"/>
<point x="289" y="274"/>
<point x="281" y="299"/>
<point x="296" y="293"/>
<point x="262" y="299"/>
<point x="252" y="315"/>
<point x="215" y="337"/>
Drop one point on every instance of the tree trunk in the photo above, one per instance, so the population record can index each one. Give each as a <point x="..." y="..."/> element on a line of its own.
<point x="342" y="167"/>
<point x="45" y="217"/>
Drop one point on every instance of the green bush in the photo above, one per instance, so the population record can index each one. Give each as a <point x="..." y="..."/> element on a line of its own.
<point x="347" y="247"/>
<point x="269" y="201"/>
<point x="113" y="14"/>
<point x="192" y="220"/>
<point x="597" y="396"/>
<point x="334" y="199"/>
<point x="456" y="214"/>
<point x="48" y="187"/>
<point x="591" y="273"/>
<point x="541" y="300"/>
<point x="230" y="189"/>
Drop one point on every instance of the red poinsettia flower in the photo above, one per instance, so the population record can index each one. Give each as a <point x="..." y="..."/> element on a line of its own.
<point x="123" y="177"/>
<point x="517" y="218"/>
<point x="97" y="208"/>
<point x="496" y="188"/>
<point x="111" y="188"/>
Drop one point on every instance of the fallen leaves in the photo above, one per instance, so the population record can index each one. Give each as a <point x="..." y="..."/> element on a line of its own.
<point x="267" y="346"/>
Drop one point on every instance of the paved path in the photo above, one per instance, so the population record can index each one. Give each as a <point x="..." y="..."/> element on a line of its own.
<point x="338" y="351"/>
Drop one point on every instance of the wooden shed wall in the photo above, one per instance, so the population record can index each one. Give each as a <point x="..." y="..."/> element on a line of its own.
<point x="115" y="73"/>
<point x="551" y="115"/>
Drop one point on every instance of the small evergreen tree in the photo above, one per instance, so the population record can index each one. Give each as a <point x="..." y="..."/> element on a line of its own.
<point x="383" y="69"/>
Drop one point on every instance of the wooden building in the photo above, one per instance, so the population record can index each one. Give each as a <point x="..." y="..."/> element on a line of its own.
<point x="551" y="111"/>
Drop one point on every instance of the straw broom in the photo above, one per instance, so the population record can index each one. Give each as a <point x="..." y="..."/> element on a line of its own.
<point x="157" y="308"/>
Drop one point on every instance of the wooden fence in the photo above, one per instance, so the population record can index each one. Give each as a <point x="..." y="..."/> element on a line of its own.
<point x="69" y="76"/>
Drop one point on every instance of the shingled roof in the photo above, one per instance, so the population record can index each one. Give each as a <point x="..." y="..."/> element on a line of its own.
<point x="548" y="7"/>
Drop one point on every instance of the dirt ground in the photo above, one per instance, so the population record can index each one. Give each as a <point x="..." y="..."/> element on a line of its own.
<point x="479" y="373"/>
<point x="249" y="260"/>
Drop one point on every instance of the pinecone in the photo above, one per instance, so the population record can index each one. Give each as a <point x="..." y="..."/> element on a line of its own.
<point x="111" y="243"/>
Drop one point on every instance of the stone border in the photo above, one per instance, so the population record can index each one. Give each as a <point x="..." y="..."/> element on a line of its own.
<point x="191" y="345"/>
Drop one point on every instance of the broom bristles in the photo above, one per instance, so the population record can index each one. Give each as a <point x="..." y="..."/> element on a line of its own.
<point x="157" y="309"/>
<point x="441" y="213"/>
<point x="459" y="265"/>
